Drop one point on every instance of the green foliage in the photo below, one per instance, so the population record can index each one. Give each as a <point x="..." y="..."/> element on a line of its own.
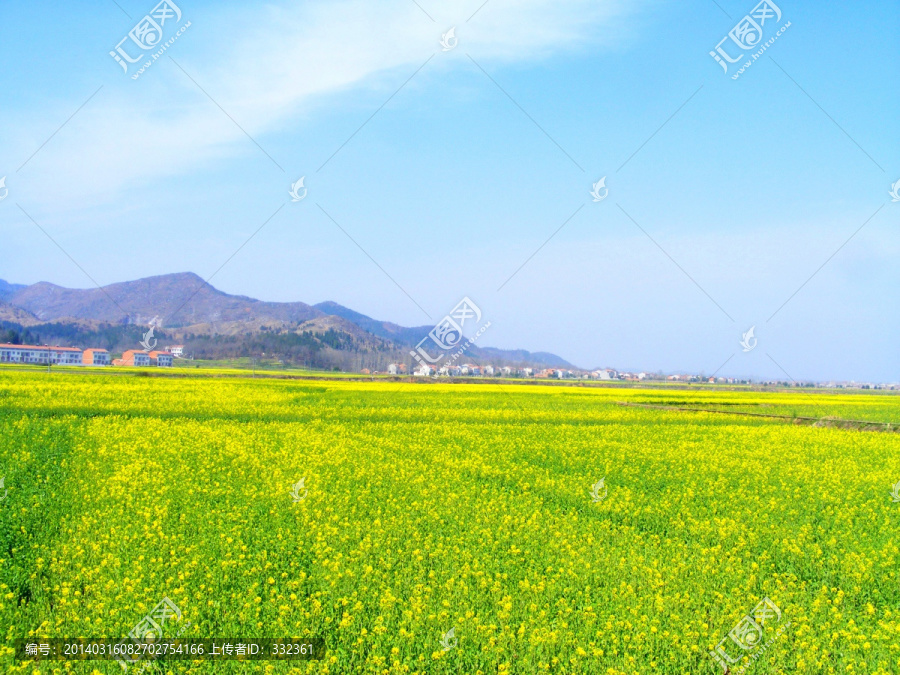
<point x="435" y="506"/>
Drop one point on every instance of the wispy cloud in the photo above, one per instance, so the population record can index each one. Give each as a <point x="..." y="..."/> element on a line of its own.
<point x="284" y="64"/>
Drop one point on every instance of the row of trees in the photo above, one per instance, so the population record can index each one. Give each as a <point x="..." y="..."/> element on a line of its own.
<point x="115" y="338"/>
<point x="12" y="336"/>
<point x="330" y="350"/>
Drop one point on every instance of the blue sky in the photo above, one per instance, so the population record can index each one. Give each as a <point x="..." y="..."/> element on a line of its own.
<point x="737" y="193"/>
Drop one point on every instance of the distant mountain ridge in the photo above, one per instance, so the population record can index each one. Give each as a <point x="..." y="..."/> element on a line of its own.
<point x="173" y="299"/>
<point x="6" y="290"/>
<point x="184" y="304"/>
<point x="383" y="329"/>
<point x="412" y="336"/>
<point x="17" y="315"/>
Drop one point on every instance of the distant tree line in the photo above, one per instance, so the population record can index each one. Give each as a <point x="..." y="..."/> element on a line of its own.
<point x="329" y="350"/>
<point x="20" y="336"/>
<point x="114" y="338"/>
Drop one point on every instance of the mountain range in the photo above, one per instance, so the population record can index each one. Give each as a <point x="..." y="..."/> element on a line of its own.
<point x="184" y="307"/>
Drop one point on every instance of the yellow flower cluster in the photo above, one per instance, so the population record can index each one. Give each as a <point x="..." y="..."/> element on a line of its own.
<point x="434" y="506"/>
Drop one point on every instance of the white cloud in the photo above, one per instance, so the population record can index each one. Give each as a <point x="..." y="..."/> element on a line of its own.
<point x="284" y="60"/>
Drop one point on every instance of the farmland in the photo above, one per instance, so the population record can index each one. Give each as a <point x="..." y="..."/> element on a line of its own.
<point x="439" y="506"/>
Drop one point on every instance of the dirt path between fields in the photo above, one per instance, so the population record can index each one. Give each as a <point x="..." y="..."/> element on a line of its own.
<point x="859" y="425"/>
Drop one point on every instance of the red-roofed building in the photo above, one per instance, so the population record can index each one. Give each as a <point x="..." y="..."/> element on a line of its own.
<point x="95" y="357"/>
<point x="133" y="357"/>
<point x="63" y="356"/>
<point x="160" y="358"/>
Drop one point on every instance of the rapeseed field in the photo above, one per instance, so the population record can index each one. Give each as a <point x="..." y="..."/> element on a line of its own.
<point x="429" y="507"/>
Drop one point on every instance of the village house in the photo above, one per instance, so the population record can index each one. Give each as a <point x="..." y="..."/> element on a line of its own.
<point x="62" y="356"/>
<point x="163" y="359"/>
<point x="176" y="350"/>
<point x="95" y="357"/>
<point x="133" y="357"/>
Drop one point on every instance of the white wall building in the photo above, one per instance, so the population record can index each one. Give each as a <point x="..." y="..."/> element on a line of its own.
<point x="63" y="356"/>
<point x="95" y="357"/>
<point x="163" y="359"/>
